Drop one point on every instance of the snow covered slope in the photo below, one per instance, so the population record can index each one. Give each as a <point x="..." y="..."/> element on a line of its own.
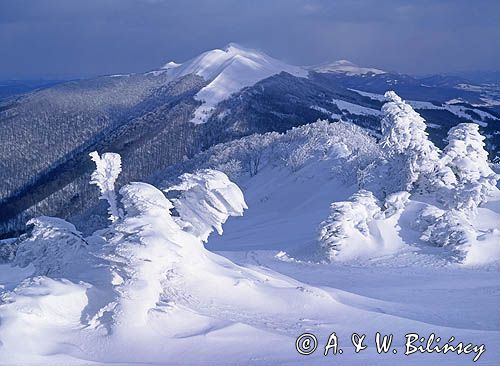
<point x="151" y="293"/>
<point x="228" y="71"/>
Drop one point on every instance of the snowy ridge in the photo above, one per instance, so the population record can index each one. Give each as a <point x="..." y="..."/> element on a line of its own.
<point x="452" y="107"/>
<point x="346" y="67"/>
<point x="227" y="71"/>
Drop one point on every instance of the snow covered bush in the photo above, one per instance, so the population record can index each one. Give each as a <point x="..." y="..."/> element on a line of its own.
<point x="322" y="140"/>
<point x="206" y="199"/>
<point x="466" y="179"/>
<point x="354" y="227"/>
<point x="446" y="228"/>
<point x="108" y="168"/>
<point x="381" y="177"/>
<point x="349" y="147"/>
<point x="395" y="203"/>
<point x="409" y="151"/>
<point x="8" y="248"/>
<point x="347" y="220"/>
<point x="232" y="168"/>
<point x="53" y="246"/>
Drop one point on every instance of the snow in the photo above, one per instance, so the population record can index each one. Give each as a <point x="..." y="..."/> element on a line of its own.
<point x="374" y="96"/>
<point x="170" y="65"/>
<point x="155" y="294"/>
<point x="347" y="107"/>
<point x="325" y="111"/>
<point x="346" y="67"/>
<point x="414" y="284"/>
<point x="356" y="108"/>
<point x="227" y="71"/>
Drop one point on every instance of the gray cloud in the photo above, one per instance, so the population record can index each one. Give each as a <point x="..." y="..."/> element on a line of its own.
<point x="88" y="37"/>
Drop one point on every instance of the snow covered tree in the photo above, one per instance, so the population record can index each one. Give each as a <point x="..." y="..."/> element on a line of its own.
<point x="8" y="250"/>
<point x="108" y="168"/>
<point x="53" y="246"/>
<point x="347" y="220"/>
<point x="153" y="248"/>
<point x="146" y="244"/>
<point x="206" y="199"/>
<point x="446" y="228"/>
<point x="410" y="153"/>
<point x="466" y="178"/>
<point x="395" y="203"/>
<point x="464" y="181"/>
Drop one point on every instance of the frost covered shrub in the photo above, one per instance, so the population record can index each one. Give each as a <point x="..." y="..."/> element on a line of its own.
<point x="347" y="219"/>
<point x="381" y="178"/>
<point x="346" y="230"/>
<point x="108" y="168"/>
<point x="8" y="250"/>
<point x="350" y="148"/>
<point x="463" y="182"/>
<point x="233" y="168"/>
<point x="465" y="179"/>
<point x="245" y="155"/>
<point x="322" y="140"/>
<point x="53" y="247"/>
<point x="410" y="154"/>
<point x="445" y="228"/>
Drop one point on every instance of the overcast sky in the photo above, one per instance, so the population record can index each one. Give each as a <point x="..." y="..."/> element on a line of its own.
<point x="70" y="38"/>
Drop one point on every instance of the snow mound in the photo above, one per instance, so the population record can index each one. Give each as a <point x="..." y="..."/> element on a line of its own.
<point x="346" y="67"/>
<point x="147" y="244"/>
<point x="53" y="247"/>
<point x="36" y="315"/>
<point x="227" y="71"/>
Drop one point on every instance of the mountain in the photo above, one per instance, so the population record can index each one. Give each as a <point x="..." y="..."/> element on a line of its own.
<point x="228" y="71"/>
<point x="10" y="88"/>
<point x="162" y="117"/>
<point x="346" y="67"/>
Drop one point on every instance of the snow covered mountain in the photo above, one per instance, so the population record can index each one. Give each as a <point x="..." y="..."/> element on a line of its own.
<point x="227" y="93"/>
<point x="227" y="71"/>
<point x="346" y="67"/>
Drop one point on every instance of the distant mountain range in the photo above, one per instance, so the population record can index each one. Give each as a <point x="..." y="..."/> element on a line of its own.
<point x="165" y="116"/>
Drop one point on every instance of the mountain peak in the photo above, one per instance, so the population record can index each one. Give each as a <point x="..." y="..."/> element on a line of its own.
<point x="236" y="47"/>
<point x="227" y="71"/>
<point x="170" y="65"/>
<point x="345" y="67"/>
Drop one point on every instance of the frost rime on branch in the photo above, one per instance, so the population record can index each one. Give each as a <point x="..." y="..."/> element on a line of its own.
<point x="108" y="168"/>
